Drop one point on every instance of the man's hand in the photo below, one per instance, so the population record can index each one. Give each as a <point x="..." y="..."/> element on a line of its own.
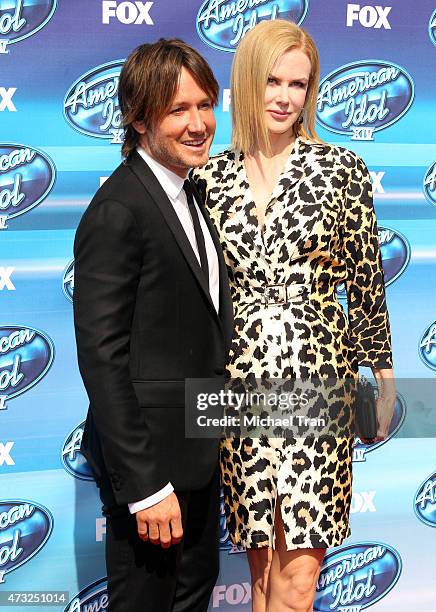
<point x="161" y="523"/>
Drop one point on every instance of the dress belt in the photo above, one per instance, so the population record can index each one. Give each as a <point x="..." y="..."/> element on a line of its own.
<point x="274" y="294"/>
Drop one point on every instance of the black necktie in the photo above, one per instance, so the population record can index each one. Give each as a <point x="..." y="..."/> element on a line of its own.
<point x="197" y="230"/>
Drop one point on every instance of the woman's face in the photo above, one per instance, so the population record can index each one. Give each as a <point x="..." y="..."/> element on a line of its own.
<point x="286" y="91"/>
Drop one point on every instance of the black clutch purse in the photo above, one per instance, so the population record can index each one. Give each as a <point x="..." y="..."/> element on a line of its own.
<point x="365" y="411"/>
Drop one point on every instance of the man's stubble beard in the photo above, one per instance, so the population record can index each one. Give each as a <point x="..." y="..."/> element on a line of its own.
<point x="162" y="153"/>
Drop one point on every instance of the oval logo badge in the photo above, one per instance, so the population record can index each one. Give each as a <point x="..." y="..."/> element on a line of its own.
<point x="360" y="449"/>
<point x="427" y="346"/>
<point x="26" y="178"/>
<point x="91" y="104"/>
<point x="430" y="184"/>
<point x="92" y="597"/>
<point x="68" y="281"/>
<point x="23" y="18"/>
<point x="25" y="527"/>
<point x="424" y="503"/>
<point x="364" y="97"/>
<point x="432" y="28"/>
<point x="73" y="460"/>
<point x="395" y="254"/>
<point x="26" y="355"/>
<point x="221" y="24"/>
<point x="357" y="576"/>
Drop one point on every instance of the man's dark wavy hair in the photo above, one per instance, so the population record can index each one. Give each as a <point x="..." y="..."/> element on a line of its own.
<point x="149" y="81"/>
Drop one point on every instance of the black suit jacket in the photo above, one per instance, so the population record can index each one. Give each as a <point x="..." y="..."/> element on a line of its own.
<point x="144" y="322"/>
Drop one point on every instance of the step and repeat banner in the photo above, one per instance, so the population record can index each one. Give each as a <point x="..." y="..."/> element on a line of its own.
<point x="60" y="137"/>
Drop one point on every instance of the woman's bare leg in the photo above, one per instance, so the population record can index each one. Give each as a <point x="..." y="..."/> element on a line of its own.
<point x="259" y="560"/>
<point x="293" y="575"/>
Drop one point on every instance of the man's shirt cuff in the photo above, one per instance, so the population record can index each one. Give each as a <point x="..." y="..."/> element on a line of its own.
<point x="151" y="500"/>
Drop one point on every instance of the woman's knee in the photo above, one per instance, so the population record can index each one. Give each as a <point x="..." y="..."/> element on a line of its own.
<point x="302" y="583"/>
<point x="293" y="578"/>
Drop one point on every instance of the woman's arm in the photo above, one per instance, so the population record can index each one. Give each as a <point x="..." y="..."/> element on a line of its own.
<point x="367" y="311"/>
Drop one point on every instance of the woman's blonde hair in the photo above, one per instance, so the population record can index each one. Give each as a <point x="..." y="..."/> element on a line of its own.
<point x="255" y="57"/>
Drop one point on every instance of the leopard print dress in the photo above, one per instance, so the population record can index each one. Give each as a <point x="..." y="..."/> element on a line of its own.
<point x="320" y="232"/>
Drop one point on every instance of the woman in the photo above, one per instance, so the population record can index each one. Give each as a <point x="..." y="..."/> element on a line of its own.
<point x="296" y="219"/>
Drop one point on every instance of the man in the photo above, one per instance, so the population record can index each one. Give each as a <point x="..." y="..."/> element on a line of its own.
<point x="152" y="308"/>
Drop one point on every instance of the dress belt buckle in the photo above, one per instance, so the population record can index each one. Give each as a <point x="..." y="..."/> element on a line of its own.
<point x="275" y="294"/>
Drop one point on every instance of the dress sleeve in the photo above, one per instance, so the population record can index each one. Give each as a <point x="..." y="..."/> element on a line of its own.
<point x="367" y="311"/>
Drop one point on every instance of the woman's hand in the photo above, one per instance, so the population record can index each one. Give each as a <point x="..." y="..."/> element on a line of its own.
<point x="387" y="395"/>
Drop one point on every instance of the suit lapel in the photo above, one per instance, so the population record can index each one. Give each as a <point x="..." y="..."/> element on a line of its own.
<point x="245" y="208"/>
<point x="225" y="299"/>
<point x="298" y="198"/>
<point x="292" y="173"/>
<point x="242" y="208"/>
<point x="160" y="198"/>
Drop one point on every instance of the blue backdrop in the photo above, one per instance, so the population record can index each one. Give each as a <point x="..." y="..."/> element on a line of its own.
<point x="59" y="138"/>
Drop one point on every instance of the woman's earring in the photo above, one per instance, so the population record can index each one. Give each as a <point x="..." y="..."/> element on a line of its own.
<point x="301" y="117"/>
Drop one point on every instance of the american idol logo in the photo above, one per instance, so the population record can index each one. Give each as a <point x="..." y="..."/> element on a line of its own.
<point x="20" y="19"/>
<point x="427" y="346"/>
<point x="432" y="28"/>
<point x="360" y="449"/>
<point x="364" y="97"/>
<point x="26" y="355"/>
<point x="26" y="178"/>
<point x="424" y="503"/>
<point x="91" y="104"/>
<point x="395" y="254"/>
<point x="25" y="528"/>
<point x="222" y="23"/>
<point x="357" y="576"/>
<point x="68" y="281"/>
<point x="93" y="598"/>
<point x="430" y="184"/>
<point x="73" y="460"/>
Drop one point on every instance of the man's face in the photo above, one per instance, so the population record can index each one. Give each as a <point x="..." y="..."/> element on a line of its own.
<point x="182" y="139"/>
